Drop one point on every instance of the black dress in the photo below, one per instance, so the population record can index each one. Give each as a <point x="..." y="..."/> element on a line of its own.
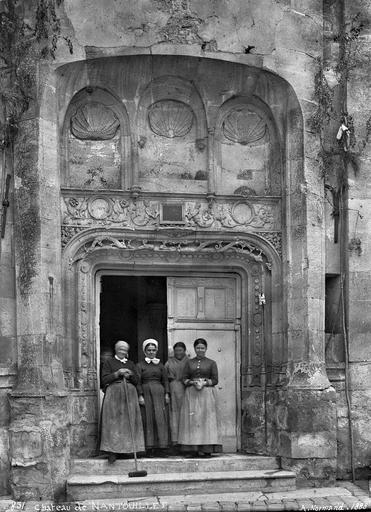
<point x="153" y="383"/>
<point x="115" y="426"/>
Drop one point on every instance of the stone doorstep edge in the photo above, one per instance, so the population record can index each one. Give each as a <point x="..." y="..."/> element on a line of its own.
<point x="179" y="477"/>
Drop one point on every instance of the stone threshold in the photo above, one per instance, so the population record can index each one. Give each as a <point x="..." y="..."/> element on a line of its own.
<point x="179" y="477"/>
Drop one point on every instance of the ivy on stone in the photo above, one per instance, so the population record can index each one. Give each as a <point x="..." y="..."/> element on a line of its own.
<point x="29" y="32"/>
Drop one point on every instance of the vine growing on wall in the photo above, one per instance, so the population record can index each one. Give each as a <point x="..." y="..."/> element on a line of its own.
<point x="336" y="155"/>
<point x="327" y="111"/>
<point x="29" y="33"/>
<point x="26" y="37"/>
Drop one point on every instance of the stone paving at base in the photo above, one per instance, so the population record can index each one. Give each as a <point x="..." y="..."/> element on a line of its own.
<point x="346" y="496"/>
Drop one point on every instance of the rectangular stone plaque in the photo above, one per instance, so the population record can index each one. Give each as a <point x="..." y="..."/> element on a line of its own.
<point x="172" y="213"/>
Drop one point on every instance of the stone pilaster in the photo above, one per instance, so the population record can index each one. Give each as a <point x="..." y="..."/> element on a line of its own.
<point x="39" y="406"/>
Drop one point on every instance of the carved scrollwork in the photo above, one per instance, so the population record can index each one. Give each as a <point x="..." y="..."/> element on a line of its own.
<point x="275" y="238"/>
<point x="67" y="232"/>
<point x="81" y="212"/>
<point x="240" y="214"/>
<point x="219" y="248"/>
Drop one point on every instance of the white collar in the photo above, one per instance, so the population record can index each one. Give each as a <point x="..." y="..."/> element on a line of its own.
<point x="154" y="360"/>
<point x="121" y="360"/>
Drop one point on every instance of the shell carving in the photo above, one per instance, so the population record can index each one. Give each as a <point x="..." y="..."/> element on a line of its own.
<point x="94" y="121"/>
<point x="244" y="126"/>
<point x="170" y="118"/>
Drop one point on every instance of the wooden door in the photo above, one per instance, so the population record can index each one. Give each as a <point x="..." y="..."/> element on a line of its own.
<point x="210" y="308"/>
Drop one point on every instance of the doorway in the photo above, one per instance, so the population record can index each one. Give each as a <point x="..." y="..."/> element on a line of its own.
<point x="179" y="308"/>
<point x="132" y="308"/>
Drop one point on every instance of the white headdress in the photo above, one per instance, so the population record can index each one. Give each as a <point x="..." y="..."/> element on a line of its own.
<point x="150" y="341"/>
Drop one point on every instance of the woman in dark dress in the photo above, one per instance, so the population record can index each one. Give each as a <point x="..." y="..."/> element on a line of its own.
<point x="199" y="430"/>
<point x="153" y="397"/>
<point x="118" y="404"/>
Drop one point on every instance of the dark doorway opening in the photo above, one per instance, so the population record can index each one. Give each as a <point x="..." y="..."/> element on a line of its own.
<point x="133" y="308"/>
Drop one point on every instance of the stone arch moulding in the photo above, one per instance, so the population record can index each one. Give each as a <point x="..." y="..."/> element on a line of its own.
<point x="255" y="106"/>
<point x="175" y="88"/>
<point x="89" y="96"/>
<point x="167" y="94"/>
<point x="255" y="260"/>
<point x="247" y="254"/>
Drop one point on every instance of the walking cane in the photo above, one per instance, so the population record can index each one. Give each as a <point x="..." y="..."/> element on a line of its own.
<point x="136" y="472"/>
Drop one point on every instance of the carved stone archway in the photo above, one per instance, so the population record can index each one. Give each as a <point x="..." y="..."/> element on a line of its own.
<point x="249" y="255"/>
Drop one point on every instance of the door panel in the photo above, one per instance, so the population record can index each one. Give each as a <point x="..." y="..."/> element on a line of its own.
<point x="206" y="308"/>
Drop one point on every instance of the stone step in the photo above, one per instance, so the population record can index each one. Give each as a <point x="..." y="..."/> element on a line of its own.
<point x="90" y="487"/>
<point x="223" y="462"/>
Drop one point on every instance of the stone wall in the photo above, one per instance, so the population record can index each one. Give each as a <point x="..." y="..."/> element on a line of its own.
<point x="283" y="38"/>
<point x="359" y="229"/>
<point x="350" y="252"/>
<point x="8" y="333"/>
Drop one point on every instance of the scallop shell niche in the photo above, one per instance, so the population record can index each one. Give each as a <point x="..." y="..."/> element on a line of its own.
<point x="244" y="126"/>
<point x="170" y="118"/>
<point x="94" y="121"/>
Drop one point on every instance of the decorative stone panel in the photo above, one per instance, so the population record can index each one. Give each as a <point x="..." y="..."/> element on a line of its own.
<point x="82" y="211"/>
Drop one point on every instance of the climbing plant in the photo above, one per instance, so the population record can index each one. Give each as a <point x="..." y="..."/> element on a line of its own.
<point x="29" y="33"/>
<point x="26" y="37"/>
<point x="328" y="111"/>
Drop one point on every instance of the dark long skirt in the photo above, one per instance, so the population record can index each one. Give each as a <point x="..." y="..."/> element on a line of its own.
<point x="199" y="428"/>
<point x="115" y="429"/>
<point x="155" y="416"/>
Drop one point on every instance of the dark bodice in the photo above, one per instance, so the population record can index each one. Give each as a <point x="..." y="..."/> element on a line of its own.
<point x="149" y="372"/>
<point x="203" y="368"/>
<point x="110" y="366"/>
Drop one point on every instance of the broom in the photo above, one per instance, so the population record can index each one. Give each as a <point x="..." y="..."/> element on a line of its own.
<point x="136" y="472"/>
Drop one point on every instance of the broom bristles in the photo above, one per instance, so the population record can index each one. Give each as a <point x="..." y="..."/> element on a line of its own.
<point x="137" y="473"/>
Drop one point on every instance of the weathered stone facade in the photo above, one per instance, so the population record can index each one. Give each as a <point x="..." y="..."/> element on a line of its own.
<point x="177" y="137"/>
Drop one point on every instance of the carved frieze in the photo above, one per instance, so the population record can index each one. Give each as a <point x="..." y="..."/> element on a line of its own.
<point x="103" y="210"/>
<point x="241" y="215"/>
<point x="217" y="249"/>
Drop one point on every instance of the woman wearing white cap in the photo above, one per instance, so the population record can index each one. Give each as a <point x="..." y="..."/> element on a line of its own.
<point x="118" y="404"/>
<point x="153" y="392"/>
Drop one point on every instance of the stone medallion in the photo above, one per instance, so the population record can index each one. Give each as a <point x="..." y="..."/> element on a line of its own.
<point x="99" y="208"/>
<point x="242" y="212"/>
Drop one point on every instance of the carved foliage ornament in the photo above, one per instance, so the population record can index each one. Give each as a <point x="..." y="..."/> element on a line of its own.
<point x="190" y="247"/>
<point x="170" y="118"/>
<point x="94" y="121"/>
<point x="100" y="210"/>
<point x="243" y="126"/>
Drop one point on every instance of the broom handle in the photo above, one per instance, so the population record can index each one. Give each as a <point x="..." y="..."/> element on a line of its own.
<point x="130" y="424"/>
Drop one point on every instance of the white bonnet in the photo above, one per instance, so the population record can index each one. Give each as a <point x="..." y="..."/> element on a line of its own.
<point x="150" y="341"/>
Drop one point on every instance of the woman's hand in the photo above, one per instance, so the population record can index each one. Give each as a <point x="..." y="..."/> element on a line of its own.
<point x="141" y="400"/>
<point x="167" y="398"/>
<point x="121" y="372"/>
<point x="199" y="383"/>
